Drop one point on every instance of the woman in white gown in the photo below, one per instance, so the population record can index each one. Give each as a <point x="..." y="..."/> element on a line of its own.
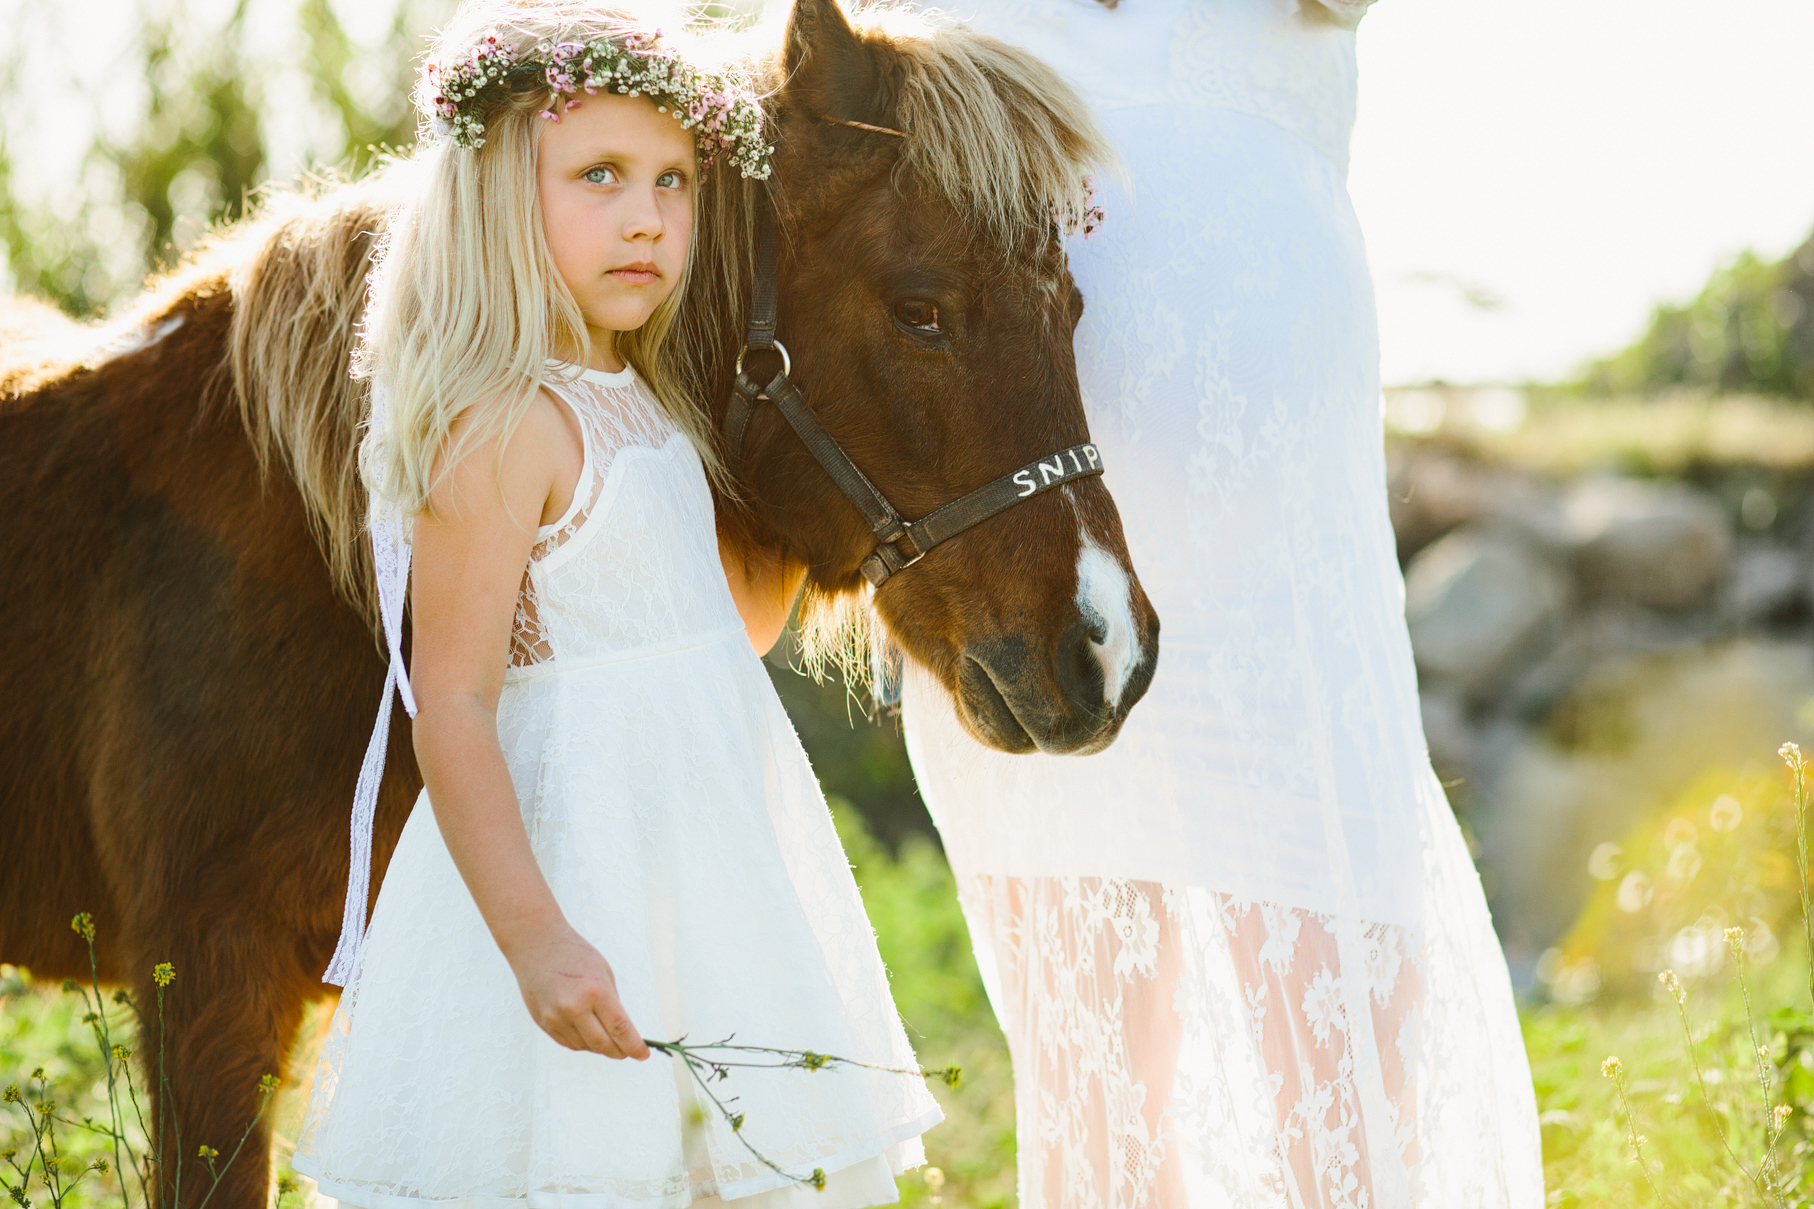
<point x="1242" y="957"/>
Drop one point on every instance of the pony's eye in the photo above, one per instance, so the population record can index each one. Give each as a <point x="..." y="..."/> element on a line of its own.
<point x="918" y="314"/>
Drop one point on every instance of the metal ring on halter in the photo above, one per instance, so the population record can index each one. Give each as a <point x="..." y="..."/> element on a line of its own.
<point x="787" y="362"/>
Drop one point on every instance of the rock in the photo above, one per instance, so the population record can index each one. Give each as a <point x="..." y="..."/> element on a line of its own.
<point x="1622" y="747"/>
<point x="1433" y="493"/>
<point x="1766" y="583"/>
<point x="1663" y="545"/>
<point x="1479" y="602"/>
<point x="1447" y="733"/>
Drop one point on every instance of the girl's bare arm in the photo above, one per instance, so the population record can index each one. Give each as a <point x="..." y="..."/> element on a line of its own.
<point x="468" y="569"/>
<point x="763" y="583"/>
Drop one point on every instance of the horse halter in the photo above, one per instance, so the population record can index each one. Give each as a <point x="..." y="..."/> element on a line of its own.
<point x="899" y="543"/>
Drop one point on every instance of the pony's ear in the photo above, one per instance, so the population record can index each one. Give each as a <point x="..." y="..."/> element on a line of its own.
<point x="828" y="66"/>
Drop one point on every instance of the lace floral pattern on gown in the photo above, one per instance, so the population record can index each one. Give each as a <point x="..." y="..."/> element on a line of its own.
<point x="1242" y="957"/>
<point x="673" y="812"/>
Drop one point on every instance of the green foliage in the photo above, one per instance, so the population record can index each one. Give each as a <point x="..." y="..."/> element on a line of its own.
<point x="1751" y="329"/>
<point x="75" y="1129"/>
<point x="201" y="144"/>
<point x="912" y="901"/>
<point x="1707" y="1064"/>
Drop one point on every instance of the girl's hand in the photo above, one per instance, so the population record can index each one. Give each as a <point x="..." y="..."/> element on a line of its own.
<point x="572" y="995"/>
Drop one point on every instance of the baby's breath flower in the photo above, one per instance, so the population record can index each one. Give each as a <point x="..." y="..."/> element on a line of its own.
<point x="1672" y="983"/>
<point x="163" y="973"/>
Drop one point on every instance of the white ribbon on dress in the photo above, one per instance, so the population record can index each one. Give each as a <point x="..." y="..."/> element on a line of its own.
<point x="390" y="559"/>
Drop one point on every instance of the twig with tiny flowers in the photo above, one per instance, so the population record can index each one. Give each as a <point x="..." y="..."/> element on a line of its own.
<point x="704" y="1063"/>
<point x="1673" y="985"/>
<point x="1764" y="1069"/>
<point x="1613" y="1069"/>
<point x="1798" y="766"/>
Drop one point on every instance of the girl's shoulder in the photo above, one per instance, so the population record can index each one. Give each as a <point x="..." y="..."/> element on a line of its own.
<point x="522" y="446"/>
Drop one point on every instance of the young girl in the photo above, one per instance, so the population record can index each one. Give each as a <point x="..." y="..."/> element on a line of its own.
<point x="620" y="836"/>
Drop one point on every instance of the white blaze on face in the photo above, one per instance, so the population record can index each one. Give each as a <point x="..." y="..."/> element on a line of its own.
<point x="1105" y="596"/>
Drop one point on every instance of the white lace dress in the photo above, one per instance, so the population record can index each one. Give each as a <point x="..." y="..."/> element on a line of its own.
<point x="680" y="827"/>
<point x="1242" y="957"/>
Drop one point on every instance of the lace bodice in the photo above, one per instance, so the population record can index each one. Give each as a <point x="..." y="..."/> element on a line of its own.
<point x="1281" y="60"/>
<point x="633" y="563"/>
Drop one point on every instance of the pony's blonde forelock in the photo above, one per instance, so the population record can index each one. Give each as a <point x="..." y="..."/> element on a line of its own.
<point x="466" y="309"/>
<point x="988" y="124"/>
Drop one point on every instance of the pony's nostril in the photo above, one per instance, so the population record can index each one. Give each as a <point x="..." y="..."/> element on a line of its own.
<point x="1079" y="670"/>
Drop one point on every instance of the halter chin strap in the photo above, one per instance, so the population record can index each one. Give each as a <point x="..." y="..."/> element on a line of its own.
<point x="899" y="543"/>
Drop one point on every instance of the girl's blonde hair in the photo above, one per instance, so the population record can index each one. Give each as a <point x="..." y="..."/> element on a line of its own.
<point x="465" y="306"/>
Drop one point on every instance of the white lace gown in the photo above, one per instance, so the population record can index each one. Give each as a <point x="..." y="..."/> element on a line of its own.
<point x="681" y="828"/>
<point x="1242" y="957"/>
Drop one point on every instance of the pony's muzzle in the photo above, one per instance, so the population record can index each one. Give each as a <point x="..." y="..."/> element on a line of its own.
<point x="1021" y="696"/>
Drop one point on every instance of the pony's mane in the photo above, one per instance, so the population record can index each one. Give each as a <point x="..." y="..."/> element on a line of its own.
<point x="298" y="292"/>
<point x="989" y="125"/>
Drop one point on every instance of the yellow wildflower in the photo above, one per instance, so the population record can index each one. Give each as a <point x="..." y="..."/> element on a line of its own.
<point x="163" y="973"/>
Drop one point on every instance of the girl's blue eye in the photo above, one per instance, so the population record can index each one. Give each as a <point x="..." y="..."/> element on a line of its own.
<point x="670" y="180"/>
<point x="600" y="176"/>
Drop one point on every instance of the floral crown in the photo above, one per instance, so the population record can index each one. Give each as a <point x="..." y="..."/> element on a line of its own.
<point x="725" y="117"/>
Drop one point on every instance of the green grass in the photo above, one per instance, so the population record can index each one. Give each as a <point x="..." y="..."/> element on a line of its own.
<point x="912" y="901"/>
<point x="1686" y="1122"/>
<point x="1675" y="434"/>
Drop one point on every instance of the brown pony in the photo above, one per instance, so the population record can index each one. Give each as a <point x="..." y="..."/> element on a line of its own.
<point x="188" y="646"/>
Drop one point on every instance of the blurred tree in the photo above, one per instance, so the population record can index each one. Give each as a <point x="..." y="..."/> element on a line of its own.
<point x="201" y="144"/>
<point x="1751" y="329"/>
